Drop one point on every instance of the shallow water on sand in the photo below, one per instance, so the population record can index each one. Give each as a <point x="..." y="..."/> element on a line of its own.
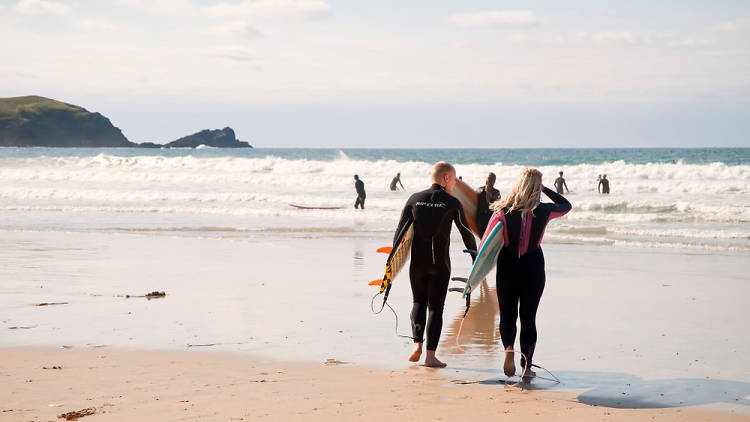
<point x="615" y="322"/>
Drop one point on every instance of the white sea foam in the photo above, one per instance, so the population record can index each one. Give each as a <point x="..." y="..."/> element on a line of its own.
<point x="688" y="204"/>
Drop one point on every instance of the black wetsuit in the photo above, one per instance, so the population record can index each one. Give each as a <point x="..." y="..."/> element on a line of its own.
<point x="394" y="182"/>
<point x="559" y="184"/>
<point x="520" y="275"/>
<point x="433" y="211"/>
<point x="483" y="207"/>
<point x="359" y="185"/>
<point x="604" y="184"/>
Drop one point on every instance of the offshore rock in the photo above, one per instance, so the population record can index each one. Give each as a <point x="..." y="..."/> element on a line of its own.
<point x="224" y="138"/>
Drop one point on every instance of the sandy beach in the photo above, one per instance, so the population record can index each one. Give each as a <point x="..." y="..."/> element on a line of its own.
<point x="161" y="386"/>
<point x="629" y="332"/>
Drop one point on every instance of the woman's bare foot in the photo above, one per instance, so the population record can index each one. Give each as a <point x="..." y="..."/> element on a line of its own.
<point x="417" y="353"/>
<point x="431" y="361"/>
<point x="509" y="367"/>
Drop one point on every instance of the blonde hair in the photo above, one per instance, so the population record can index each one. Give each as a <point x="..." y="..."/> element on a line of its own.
<point x="525" y="195"/>
<point x="441" y="169"/>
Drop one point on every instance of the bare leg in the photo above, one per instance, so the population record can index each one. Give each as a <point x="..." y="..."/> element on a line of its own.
<point x="433" y="362"/>
<point x="417" y="353"/>
<point x="509" y="367"/>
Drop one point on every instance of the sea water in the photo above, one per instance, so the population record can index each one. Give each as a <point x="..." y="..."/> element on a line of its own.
<point x="675" y="198"/>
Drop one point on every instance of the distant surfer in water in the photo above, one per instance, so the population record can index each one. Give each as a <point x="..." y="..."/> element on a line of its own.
<point x="396" y="180"/>
<point x="520" y="265"/>
<point x="486" y="195"/>
<point x="603" y="186"/>
<point x="560" y="183"/>
<point x="434" y="211"/>
<point x="360" y="187"/>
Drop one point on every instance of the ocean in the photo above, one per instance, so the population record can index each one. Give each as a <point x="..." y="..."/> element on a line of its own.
<point x="660" y="198"/>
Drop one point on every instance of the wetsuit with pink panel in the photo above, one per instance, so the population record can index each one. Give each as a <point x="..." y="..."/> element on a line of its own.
<point x="521" y="275"/>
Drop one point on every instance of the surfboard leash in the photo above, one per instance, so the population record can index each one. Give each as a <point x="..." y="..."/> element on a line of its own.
<point x="395" y="315"/>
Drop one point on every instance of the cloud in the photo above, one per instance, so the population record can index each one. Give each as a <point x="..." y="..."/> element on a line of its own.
<point x="165" y="7"/>
<point x="96" y="25"/>
<point x="518" y="38"/>
<point x="268" y="9"/>
<point x="690" y="42"/>
<point x="238" y="28"/>
<point x="493" y="18"/>
<point x="733" y="25"/>
<point x="554" y="40"/>
<point x="233" y="53"/>
<point x="617" y="37"/>
<point x="42" y="7"/>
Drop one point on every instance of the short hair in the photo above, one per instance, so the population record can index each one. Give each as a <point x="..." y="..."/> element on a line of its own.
<point x="441" y="169"/>
<point x="356" y="177"/>
<point x="561" y="173"/>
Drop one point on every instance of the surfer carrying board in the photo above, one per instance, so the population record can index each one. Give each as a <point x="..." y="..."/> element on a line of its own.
<point x="520" y="265"/>
<point x="433" y="212"/>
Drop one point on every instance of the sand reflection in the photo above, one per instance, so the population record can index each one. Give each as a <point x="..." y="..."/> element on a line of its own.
<point x="479" y="332"/>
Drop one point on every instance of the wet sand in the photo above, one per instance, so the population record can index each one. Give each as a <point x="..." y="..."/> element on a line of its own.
<point x="622" y="328"/>
<point x="161" y="386"/>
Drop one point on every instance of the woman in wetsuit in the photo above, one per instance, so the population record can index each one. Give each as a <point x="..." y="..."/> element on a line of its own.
<point x="520" y="265"/>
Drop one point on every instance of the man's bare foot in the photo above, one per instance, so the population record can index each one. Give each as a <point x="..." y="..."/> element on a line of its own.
<point x="417" y="353"/>
<point x="432" y="362"/>
<point x="528" y="376"/>
<point x="509" y="367"/>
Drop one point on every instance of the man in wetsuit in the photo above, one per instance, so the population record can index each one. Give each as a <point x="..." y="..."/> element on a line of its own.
<point x="560" y="183"/>
<point x="396" y="180"/>
<point x="486" y="195"/>
<point x="433" y="210"/>
<point x="603" y="185"/>
<point x="360" y="187"/>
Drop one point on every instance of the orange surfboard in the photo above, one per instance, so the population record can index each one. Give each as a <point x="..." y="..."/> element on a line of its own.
<point x="468" y="198"/>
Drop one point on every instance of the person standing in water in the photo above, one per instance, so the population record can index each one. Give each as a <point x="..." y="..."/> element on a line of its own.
<point x="559" y="183"/>
<point x="395" y="180"/>
<point x="359" y="185"/>
<point x="520" y="265"/>
<point x="433" y="212"/>
<point x="486" y="195"/>
<point x="603" y="186"/>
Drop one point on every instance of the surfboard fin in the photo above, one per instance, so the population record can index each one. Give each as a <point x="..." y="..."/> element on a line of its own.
<point x="456" y="289"/>
<point x="377" y="282"/>
<point x="461" y="279"/>
<point x="385" y="249"/>
<point x="470" y="252"/>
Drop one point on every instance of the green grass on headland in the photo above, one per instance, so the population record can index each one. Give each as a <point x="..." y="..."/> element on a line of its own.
<point x="17" y="107"/>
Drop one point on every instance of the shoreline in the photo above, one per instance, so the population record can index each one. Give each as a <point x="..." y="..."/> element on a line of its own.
<point x="179" y="385"/>
<point x="617" y="326"/>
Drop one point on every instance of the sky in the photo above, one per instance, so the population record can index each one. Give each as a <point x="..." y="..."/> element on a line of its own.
<point x="407" y="73"/>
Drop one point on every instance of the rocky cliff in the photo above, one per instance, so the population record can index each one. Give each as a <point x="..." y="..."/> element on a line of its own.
<point x="39" y="121"/>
